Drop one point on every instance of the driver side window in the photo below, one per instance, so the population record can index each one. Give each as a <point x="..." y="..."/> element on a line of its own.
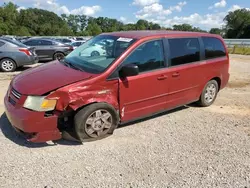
<point x="148" y="56"/>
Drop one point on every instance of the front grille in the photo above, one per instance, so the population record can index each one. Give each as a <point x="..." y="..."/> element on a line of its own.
<point x="16" y="93"/>
<point x="12" y="101"/>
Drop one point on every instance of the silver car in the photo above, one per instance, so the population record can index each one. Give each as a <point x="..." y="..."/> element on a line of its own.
<point x="14" y="54"/>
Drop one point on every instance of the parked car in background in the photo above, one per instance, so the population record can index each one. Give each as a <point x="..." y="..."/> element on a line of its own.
<point x="142" y="73"/>
<point x="47" y="49"/>
<point x="14" y="54"/>
<point x="79" y="39"/>
<point x="96" y="49"/>
<point x="22" y="39"/>
<point x="65" y="40"/>
<point x="9" y="37"/>
<point x="76" y="44"/>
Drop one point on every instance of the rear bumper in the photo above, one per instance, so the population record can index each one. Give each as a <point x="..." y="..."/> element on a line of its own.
<point x="28" y="60"/>
<point x="33" y="125"/>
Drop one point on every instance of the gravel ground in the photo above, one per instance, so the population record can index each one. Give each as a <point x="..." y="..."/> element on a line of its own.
<point x="188" y="147"/>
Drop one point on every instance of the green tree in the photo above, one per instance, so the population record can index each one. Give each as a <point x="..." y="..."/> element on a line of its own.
<point x="93" y="29"/>
<point x="142" y="25"/>
<point x="187" y="27"/>
<point x="237" y="24"/>
<point x="155" y="26"/>
<point x="41" y="22"/>
<point x="129" y="27"/>
<point x="8" y="18"/>
<point x="22" y="31"/>
<point x="183" y="27"/>
<point x="216" y="31"/>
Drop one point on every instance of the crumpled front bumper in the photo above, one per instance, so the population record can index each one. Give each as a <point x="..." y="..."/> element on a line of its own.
<point x="33" y="125"/>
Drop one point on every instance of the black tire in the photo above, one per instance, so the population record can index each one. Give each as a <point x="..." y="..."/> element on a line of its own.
<point x="8" y="65"/>
<point x="81" y="125"/>
<point x="95" y="53"/>
<point x="58" y="56"/>
<point x="204" y="102"/>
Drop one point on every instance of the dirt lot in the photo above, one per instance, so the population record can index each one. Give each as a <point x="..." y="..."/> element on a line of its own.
<point x="188" y="147"/>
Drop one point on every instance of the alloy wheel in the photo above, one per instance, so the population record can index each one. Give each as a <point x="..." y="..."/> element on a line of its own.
<point x="210" y="93"/>
<point x="7" y="65"/>
<point x="98" y="123"/>
<point x="59" y="56"/>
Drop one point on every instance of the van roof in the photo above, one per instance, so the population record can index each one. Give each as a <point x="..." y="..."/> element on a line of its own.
<point x="150" y="33"/>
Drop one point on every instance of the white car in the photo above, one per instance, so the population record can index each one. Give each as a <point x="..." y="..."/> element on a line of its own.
<point x="76" y="44"/>
<point x="95" y="50"/>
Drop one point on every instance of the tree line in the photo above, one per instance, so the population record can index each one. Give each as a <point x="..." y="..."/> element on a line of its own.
<point x="39" y="22"/>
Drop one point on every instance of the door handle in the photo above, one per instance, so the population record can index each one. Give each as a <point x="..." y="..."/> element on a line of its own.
<point x="176" y="74"/>
<point x="162" y="77"/>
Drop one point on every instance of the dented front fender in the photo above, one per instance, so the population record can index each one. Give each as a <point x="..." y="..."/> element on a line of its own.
<point x="80" y="94"/>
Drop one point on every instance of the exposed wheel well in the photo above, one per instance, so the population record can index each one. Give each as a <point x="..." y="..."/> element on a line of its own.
<point x="218" y="80"/>
<point x="70" y="117"/>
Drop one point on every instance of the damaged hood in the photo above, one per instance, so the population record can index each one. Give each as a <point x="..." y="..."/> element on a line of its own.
<point x="46" y="78"/>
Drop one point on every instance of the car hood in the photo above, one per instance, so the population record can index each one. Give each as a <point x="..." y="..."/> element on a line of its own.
<point x="46" y="78"/>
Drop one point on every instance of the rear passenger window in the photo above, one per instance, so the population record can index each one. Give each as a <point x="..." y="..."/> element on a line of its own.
<point x="149" y="56"/>
<point x="184" y="50"/>
<point x="213" y="48"/>
<point x="46" y="43"/>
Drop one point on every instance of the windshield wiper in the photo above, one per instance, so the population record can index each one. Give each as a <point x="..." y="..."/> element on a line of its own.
<point x="68" y="64"/>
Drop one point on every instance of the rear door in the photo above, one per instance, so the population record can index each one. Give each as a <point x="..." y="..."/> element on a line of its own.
<point x="185" y="72"/>
<point x="47" y="49"/>
<point x="145" y="93"/>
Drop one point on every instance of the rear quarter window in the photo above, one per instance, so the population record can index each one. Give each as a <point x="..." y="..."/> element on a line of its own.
<point x="46" y="43"/>
<point x="214" y="48"/>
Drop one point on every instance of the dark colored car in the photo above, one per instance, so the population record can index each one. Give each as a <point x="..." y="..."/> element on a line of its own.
<point x="14" y="54"/>
<point x="47" y="49"/>
<point x="64" y="40"/>
<point x="142" y="73"/>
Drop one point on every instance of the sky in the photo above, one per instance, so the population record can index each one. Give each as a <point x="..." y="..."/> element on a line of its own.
<point x="205" y="14"/>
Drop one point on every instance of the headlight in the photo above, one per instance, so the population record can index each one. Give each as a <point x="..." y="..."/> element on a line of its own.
<point x="39" y="104"/>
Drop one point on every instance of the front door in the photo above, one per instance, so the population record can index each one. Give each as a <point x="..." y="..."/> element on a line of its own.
<point x="145" y="93"/>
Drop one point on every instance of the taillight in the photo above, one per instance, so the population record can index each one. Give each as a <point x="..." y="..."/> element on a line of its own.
<point x="71" y="48"/>
<point x="26" y="51"/>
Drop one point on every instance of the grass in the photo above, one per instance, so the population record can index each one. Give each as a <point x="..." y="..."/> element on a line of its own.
<point x="239" y="50"/>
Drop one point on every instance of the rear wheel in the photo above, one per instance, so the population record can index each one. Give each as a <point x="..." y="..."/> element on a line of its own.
<point x="8" y="65"/>
<point x="95" y="122"/>
<point x="209" y="93"/>
<point x="58" y="56"/>
<point x="95" y="53"/>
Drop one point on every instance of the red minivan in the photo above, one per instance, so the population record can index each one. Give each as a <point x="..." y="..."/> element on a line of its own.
<point x="115" y="78"/>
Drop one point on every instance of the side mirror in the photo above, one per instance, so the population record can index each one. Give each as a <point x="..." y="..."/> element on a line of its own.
<point x="129" y="70"/>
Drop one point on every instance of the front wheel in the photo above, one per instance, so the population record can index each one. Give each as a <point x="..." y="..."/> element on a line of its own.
<point x="95" y="122"/>
<point x="209" y="94"/>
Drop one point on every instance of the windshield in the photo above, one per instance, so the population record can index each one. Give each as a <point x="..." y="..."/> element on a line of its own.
<point x="97" y="54"/>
